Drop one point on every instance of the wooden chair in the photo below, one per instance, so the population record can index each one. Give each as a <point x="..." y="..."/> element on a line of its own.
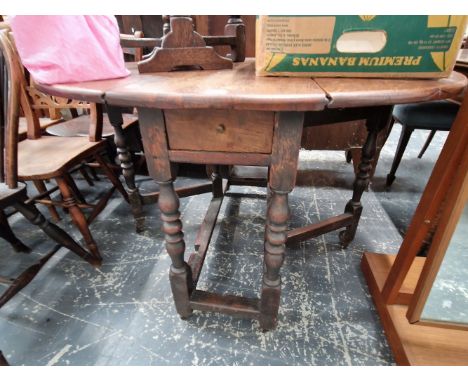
<point x="13" y="193"/>
<point x="76" y="126"/>
<point x="432" y="116"/>
<point x="63" y="154"/>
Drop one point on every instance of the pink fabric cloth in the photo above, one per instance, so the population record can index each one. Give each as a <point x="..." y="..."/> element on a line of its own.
<point x="59" y="49"/>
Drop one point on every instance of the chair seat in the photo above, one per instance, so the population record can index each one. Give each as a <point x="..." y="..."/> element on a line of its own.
<point x="436" y="115"/>
<point x="79" y="126"/>
<point x="44" y="123"/>
<point x="51" y="156"/>
<point x="9" y="195"/>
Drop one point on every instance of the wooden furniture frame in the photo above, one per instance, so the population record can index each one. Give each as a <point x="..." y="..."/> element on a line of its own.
<point x="13" y="194"/>
<point x="234" y="38"/>
<point x="399" y="284"/>
<point x="68" y="154"/>
<point x="252" y="121"/>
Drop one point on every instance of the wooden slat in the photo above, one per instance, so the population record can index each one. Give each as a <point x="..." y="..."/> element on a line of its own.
<point x="227" y="304"/>
<point x="432" y="198"/>
<point x="182" y="192"/>
<point x="247" y="182"/>
<point x="200" y="157"/>
<point x="320" y="228"/>
<point x="26" y="277"/>
<point x="100" y="205"/>
<point x="204" y="237"/>
<point x="412" y="344"/>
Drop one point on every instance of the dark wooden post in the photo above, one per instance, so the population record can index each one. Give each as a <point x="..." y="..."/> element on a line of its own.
<point x="179" y="273"/>
<point x="235" y="27"/>
<point x="31" y="213"/>
<point x="377" y="121"/>
<point x="166" y="26"/>
<point x="3" y="361"/>
<point x="275" y="239"/>
<point x="126" y="164"/>
<point x="282" y="178"/>
<point x="7" y="234"/>
<point x="153" y="131"/>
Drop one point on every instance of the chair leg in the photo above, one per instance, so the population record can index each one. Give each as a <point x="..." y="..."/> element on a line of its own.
<point x="41" y="188"/>
<point x="356" y="156"/>
<point x="426" y="144"/>
<point x="128" y="170"/>
<point x="93" y="173"/>
<point x="26" y="277"/>
<point x="8" y="235"/>
<point x="348" y="155"/>
<point x="405" y="136"/>
<point x="84" y="173"/>
<point x="111" y="175"/>
<point x="3" y="361"/>
<point x="78" y="217"/>
<point x="31" y="213"/>
<point x="74" y="188"/>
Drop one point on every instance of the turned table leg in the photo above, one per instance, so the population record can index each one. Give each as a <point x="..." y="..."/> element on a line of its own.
<point x="379" y="119"/>
<point x="179" y="274"/>
<point x="275" y="239"/>
<point x="281" y="181"/>
<point x="126" y="164"/>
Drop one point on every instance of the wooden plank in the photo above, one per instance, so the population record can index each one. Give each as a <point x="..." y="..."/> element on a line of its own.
<point x="412" y="344"/>
<point x="220" y="130"/>
<point x="153" y="133"/>
<point x="227" y="304"/>
<point x="200" y="157"/>
<point x="182" y="192"/>
<point x="248" y="182"/>
<point x="432" y="198"/>
<point x="241" y="89"/>
<point x="452" y="210"/>
<point x="204" y="237"/>
<point x="238" y="89"/>
<point x="355" y="92"/>
<point x="320" y="228"/>
<point x="285" y="154"/>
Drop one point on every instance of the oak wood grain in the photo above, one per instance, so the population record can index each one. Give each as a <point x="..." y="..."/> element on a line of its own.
<point x="224" y="89"/>
<point x="241" y="89"/>
<point x="220" y="130"/>
<point x="355" y="92"/>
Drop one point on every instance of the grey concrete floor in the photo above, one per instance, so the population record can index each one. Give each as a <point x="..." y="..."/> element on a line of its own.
<point x="123" y="314"/>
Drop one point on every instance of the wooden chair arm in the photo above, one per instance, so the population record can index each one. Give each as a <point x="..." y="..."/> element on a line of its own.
<point x="134" y="41"/>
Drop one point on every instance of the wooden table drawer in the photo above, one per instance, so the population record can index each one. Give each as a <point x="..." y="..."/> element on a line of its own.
<point x="220" y="130"/>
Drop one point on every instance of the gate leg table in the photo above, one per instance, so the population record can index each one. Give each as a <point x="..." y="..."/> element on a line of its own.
<point x="232" y="117"/>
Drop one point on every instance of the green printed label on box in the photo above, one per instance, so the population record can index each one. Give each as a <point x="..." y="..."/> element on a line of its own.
<point x="357" y="44"/>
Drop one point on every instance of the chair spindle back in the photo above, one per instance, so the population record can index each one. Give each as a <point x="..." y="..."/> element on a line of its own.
<point x="12" y="79"/>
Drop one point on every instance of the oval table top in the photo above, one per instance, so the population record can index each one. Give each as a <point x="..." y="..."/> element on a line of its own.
<point x="241" y="89"/>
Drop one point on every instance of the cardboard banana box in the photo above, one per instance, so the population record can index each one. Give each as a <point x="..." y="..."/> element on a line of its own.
<point x="358" y="46"/>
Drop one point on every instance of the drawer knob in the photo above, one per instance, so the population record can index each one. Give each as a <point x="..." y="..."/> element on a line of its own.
<point x="220" y="128"/>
